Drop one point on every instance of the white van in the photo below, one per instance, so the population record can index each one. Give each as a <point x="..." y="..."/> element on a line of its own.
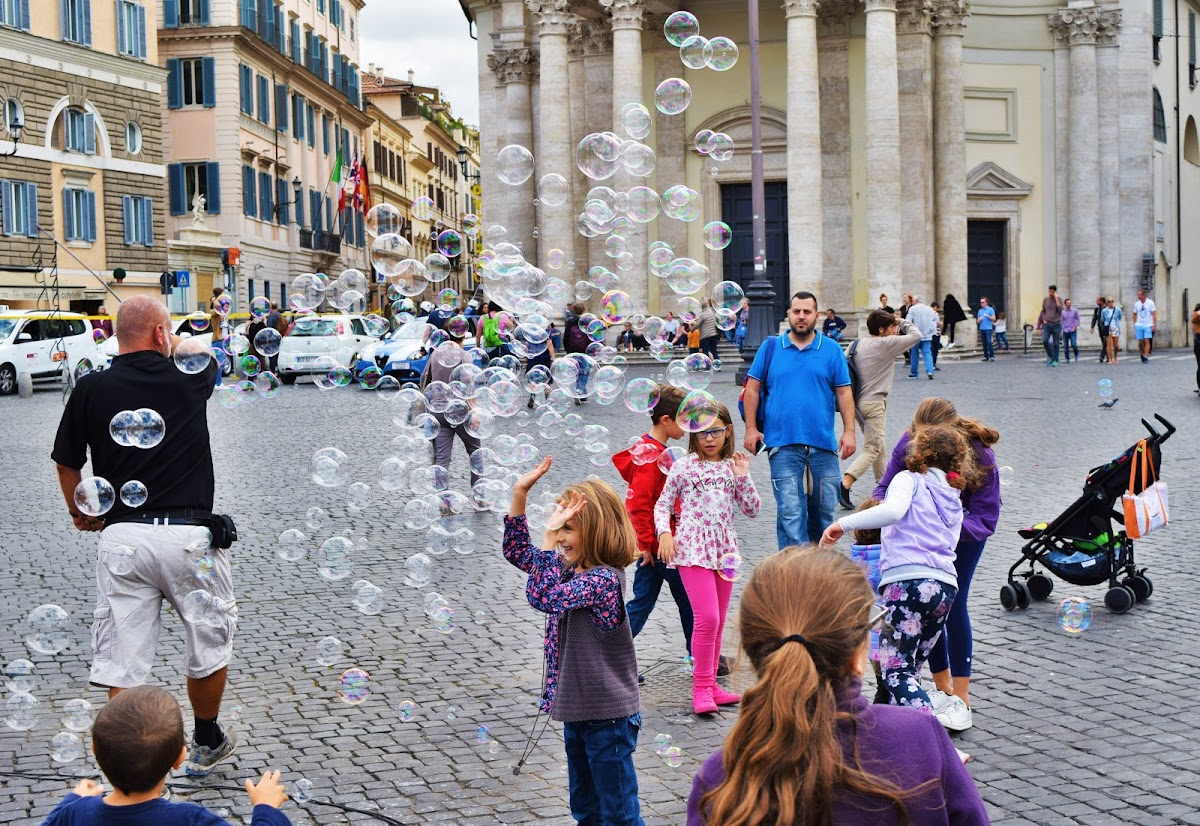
<point x="40" y="342"/>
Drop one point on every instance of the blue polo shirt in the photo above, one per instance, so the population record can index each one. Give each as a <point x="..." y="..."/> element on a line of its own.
<point x="986" y="316"/>
<point x="800" y="391"/>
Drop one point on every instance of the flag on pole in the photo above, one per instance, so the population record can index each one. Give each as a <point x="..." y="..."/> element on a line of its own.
<point x="364" y="187"/>
<point x="349" y="191"/>
<point x="337" y="175"/>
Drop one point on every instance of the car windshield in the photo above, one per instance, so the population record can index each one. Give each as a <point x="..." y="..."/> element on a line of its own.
<point x="320" y="327"/>
<point x="6" y="327"/>
<point x="414" y="329"/>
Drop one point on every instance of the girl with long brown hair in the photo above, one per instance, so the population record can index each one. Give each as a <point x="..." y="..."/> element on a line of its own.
<point x="808" y="749"/>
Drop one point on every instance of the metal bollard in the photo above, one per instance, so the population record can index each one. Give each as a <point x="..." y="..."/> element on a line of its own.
<point x="25" y="385"/>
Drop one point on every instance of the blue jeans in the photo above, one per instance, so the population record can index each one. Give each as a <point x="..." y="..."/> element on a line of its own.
<point x="986" y="337"/>
<point x="1002" y="341"/>
<point x="1071" y="343"/>
<point x="923" y="350"/>
<point x="1051" y="340"/>
<point x="955" y="646"/>
<point x="835" y="334"/>
<point x="802" y="517"/>
<point x="604" y="787"/>
<point x="647" y="582"/>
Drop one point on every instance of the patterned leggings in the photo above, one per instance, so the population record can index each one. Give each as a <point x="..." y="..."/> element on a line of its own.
<point x="917" y="610"/>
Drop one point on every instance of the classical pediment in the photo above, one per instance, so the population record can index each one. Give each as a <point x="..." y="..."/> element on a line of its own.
<point x="990" y="180"/>
<point x="735" y="123"/>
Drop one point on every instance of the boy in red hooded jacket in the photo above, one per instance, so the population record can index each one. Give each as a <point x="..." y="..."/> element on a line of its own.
<point x="638" y="466"/>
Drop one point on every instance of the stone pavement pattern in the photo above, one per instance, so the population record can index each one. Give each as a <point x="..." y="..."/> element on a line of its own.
<point x="1090" y="730"/>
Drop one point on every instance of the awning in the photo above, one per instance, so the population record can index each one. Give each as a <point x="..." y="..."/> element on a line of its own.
<point x="35" y="293"/>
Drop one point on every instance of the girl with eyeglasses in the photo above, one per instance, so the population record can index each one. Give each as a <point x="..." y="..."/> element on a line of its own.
<point x="808" y="748"/>
<point x="710" y="483"/>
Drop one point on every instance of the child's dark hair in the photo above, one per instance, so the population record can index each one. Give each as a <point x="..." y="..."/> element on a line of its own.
<point x="669" y="399"/>
<point x="946" y="448"/>
<point x="727" y="448"/>
<point x="869" y="536"/>
<point x="137" y="737"/>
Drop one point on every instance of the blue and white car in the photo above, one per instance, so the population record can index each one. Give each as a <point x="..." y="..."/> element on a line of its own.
<point x="402" y="353"/>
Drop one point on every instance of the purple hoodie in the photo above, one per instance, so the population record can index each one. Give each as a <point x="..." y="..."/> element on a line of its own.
<point x="981" y="507"/>
<point x="900" y="744"/>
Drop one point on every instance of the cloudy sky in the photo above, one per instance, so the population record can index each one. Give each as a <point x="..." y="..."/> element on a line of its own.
<point x="432" y="38"/>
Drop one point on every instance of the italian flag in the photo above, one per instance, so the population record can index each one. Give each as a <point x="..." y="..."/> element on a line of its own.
<point x="336" y="178"/>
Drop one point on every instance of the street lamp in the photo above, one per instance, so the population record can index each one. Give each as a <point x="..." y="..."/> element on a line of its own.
<point x="297" y="185"/>
<point x="14" y="128"/>
<point x="462" y="163"/>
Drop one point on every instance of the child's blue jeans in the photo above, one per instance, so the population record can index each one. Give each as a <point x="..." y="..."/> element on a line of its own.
<point x="604" y="787"/>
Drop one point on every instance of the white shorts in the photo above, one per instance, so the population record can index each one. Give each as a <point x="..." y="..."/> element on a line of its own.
<point x="130" y="588"/>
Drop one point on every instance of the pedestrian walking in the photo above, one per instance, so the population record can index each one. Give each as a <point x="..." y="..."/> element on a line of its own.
<point x="1099" y="327"/>
<point x="277" y="322"/>
<point x="1111" y="317"/>
<point x="935" y="344"/>
<point x="924" y="319"/>
<point x="575" y="340"/>
<point x="952" y="314"/>
<point x="799" y="378"/>
<point x="743" y="325"/>
<point x="803" y="621"/>
<point x="709" y="334"/>
<point x="1050" y="323"/>
<point x="442" y="361"/>
<point x="1145" y="320"/>
<point x="920" y="518"/>
<point x="544" y="358"/>
<point x="147" y="553"/>
<point x="905" y="302"/>
<point x="590" y="683"/>
<point x="488" y="331"/>
<point x="1070" y="331"/>
<point x="217" y="315"/>
<point x="953" y="654"/>
<point x="874" y="359"/>
<point x="986" y="319"/>
<point x="710" y="484"/>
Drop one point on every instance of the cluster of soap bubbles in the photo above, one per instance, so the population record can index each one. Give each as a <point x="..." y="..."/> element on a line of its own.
<point x="142" y="428"/>
<point x="671" y="755"/>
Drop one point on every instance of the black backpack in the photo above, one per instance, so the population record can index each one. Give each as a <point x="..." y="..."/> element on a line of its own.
<point x="855" y="379"/>
<point x="574" y="338"/>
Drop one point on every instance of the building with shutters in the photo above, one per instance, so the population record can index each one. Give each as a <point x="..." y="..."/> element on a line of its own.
<point x="261" y="96"/>
<point x="81" y="172"/>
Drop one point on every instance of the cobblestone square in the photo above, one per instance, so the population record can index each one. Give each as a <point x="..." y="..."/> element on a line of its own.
<point x="1095" y="729"/>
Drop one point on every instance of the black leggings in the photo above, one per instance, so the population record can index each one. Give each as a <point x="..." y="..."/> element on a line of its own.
<point x="1196" y="350"/>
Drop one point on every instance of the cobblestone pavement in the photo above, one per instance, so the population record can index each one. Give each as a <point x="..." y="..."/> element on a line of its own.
<point x="1090" y="730"/>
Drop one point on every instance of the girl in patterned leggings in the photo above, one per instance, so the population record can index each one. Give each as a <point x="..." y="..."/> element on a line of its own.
<point x="920" y="520"/>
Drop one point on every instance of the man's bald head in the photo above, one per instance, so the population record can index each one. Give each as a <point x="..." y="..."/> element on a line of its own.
<point x="143" y="324"/>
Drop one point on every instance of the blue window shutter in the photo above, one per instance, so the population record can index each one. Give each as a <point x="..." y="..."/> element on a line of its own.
<point x="85" y="12"/>
<point x="296" y="45"/>
<point x="213" y="190"/>
<point x="170" y="14"/>
<point x="64" y="20"/>
<point x="281" y="197"/>
<point x="264" y="196"/>
<point x="266" y="289"/>
<point x="90" y="209"/>
<point x="31" y="210"/>
<point x="141" y="32"/>
<point x="174" y="84"/>
<point x="209" y="70"/>
<point x="6" y="207"/>
<point x="300" y="209"/>
<point x="325" y="133"/>
<point x="246" y="17"/>
<point x="69" y="214"/>
<point x="245" y="79"/>
<point x="89" y="133"/>
<point x="249" y="198"/>
<point x="204" y="13"/>
<point x="147" y="216"/>
<point x="122" y="32"/>
<point x="128" y="218"/>
<point x="23" y="15"/>
<point x="281" y="107"/>
<point x="312" y="125"/>
<point x="176" y="188"/>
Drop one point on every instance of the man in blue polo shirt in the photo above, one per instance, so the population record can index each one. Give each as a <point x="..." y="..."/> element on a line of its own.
<point x="807" y="380"/>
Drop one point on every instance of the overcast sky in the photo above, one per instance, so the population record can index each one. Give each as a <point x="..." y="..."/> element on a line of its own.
<point x="432" y="38"/>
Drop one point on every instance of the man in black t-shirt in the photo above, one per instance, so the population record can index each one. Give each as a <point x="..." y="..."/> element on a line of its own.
<point x="153" y="549"/>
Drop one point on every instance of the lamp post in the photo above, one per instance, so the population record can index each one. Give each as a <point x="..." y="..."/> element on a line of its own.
<point x="462" y="163"/>
<point x="759" y="291"/>
<point x="14" y="128"/>
<point x="297" y="185"/>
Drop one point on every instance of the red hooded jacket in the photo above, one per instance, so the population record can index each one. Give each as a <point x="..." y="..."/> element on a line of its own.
<point x="646" y="484"/>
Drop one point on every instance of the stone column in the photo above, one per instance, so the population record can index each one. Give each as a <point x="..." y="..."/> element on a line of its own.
<point x="805" y="215"/>
<point x="883" y="150"/>
<point x="553" y="154"/>
<point x="627" y="88"/>
<point x="1062" y="143"/>
<point x="578" y="252"/>
<point x="914" y="55"/>
<point x="598" y="106"/>
<point x="514" y="69"/>
<point x="1137" y="148"/>
<point x="673" y="151"/>
<point x="950" y="151"/>
<point x="1108" y="76"/>
<point x="837" y="289"/>
<point x="1083" y="159"/>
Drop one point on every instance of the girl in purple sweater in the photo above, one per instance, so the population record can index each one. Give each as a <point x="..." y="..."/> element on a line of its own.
<point x="950" y="660"/>
<point x="807" y="747"/>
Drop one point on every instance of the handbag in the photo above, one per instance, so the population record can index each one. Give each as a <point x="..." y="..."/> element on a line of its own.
<point x="1145" y="512"/>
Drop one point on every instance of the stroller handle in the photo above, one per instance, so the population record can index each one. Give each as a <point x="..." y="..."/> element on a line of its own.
<point x="1154" y="434"/>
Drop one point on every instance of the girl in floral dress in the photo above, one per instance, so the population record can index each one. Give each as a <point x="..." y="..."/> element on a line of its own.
<point x="920" y="520"/>
<point x="710" y="483"/>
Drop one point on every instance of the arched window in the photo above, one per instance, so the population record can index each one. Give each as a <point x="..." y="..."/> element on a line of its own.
<point x="75" y="131"/>
<point x="1191" y="145"/>
<point x="1160" y="118"/>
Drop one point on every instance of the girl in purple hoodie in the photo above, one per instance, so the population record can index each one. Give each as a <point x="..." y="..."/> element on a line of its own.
<point x="920" y="519"/>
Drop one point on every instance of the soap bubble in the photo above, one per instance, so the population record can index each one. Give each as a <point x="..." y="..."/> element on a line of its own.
<point x="314" y="518"/>
<point x="134" y="493"/>
<point x="368" y="598"/>
<point x="450" y="243"/>
<point x="118" y="559"/>
<point x="482" y="735"/>
<point x="329" y="467"/>
<point x="720" y="54"/>
<point x="720" y="148"/>
<point x="673" y="756"/>
<point x="668" y="458"/>
<point x="598" y="155"/>
<point x="692" y="52"/>
<point x="553" y="189"/>
<point x="301" y="791"/>
<point x="636" y="120"/>
<point x="480" y="617"/>
<point x="267" y="341"/>
<point x="198" y="321"/>
<point x="450" y="714"/>
<point x="78" y="714"/>
<point x="335" y="558"/>
<point x="250" y="366"/>
<point x="19" y="677"/>
<point x="1104" y="388"/>
<point x="382" y="218"/>
<point x="418" y="570"/>
<point x="1007" y="475"/>
<point x="422" y="208"/>
<point x="408" y="710"/>
<point x="22" y="711"/>
<point x="1074" y="615"/>
<point x="66" y="747"/>
<point x="680" y="26"/>
<point x="99" y="336"/>
<point x="717" y="236"/>
<point x="196" y="606"/>
<point x="728" y="295"/>
<point x="698" y="411"/>
<point x="354" y="686"/>
<point x="192" y="355"/>
<point x="514" y="165"/>
<point x="307" y="291"/>
<point x="698" y="369"/>
<point x="292" y="545"/>
<point x="672" y="96"/>
<point x="48" y="629"/>
<point x="328" y="651"/>
<point x="615" y="307"/>
<point x="662" y="742"/>
<point x="729" y="566"/>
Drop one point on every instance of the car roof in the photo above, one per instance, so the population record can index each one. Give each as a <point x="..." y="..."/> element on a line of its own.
<point x="44" y="314"/>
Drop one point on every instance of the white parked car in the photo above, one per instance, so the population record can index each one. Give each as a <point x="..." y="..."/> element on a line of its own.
<point x="341" y="336"/>
<point x="103" y="354"/>
<point x="41" y="342"/>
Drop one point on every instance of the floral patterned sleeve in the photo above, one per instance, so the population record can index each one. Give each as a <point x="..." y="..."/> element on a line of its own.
<point x="596" y="588"/>
<point x="746" y="495"/>
<point x="665" y="505"/>
<point x="519" y="548"/>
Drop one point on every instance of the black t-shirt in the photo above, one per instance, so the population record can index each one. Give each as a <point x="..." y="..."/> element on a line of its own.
<point x="438" y="317"/>
<point x="178" y="471"/>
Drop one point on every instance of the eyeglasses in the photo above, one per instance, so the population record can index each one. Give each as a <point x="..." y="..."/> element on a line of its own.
<point x="712" y="434"/>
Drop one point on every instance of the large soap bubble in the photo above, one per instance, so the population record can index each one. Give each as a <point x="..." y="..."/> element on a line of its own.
<point x="720" y="54"/>
<point x="598" y="155"/>
<point x="382" y="219"/>
<point x="514" y="164"/>
<point x="192" y="355"/>
<point x="49" y="629"/>
<point x="553" y="189"/>
<point x="95" y="496"/>
<point x="698" y="411"/>
<point x="1075" y="615"/>
<point x="679" y="26"/>
<point x="673" y="96"/>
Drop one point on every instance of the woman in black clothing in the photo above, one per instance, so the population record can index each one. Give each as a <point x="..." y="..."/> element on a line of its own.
<point x="952" y="313"/>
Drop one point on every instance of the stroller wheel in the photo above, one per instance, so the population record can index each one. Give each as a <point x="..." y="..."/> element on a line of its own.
<point x="1140" y="586"/>
<point x="1023" y="595"/>
<point x="1119" y="599"/>
<point x="1040" y="586"/>
<point x="1008" y="597"/>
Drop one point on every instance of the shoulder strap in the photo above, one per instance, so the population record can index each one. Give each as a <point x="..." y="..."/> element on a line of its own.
<point x="767" y="359"/>
<point x="853" y="349"/>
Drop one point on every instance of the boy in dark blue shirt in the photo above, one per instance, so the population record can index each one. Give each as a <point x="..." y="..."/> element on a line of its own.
<point x="138" y="740"/>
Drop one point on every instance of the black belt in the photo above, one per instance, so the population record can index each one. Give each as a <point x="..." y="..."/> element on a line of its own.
<point x="181" y="516"/>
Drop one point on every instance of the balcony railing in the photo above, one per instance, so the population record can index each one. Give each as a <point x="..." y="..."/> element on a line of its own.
<point x="320" y="241"/>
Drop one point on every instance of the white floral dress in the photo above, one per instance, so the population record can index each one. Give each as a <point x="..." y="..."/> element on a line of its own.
<point x="708" y="493"/>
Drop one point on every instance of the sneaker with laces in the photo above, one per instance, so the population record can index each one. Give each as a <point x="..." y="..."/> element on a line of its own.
<point x="202" y="759"/>
<point x="955" y="715"/>
<point x="938" y="698"/>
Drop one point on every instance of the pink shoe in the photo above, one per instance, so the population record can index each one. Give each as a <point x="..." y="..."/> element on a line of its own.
<point x="702" y="700"/>
<point x="725" y="698"/>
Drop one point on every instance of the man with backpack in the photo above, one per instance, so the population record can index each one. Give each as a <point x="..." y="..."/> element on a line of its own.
<point x="575" y="340"/>
<point x="798" y="379"/>
<point x="871" y="363"/>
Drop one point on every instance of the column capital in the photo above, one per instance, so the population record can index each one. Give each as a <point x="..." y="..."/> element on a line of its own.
<point x="654" y="23"/>
<point x="1109" y="27"/>
<point x="914" y="16"/>
<point x="800" y="8"/>
<point x="950" y="17"/>
<point x="590" y="38"/>
<point x="513" y="65"/>
<point x="834" y="18"/>
<point x="1075" y="27"/>
<point x="880" y="5"/>
<point x="626" y="14"/>
<point x="552" y="16"/>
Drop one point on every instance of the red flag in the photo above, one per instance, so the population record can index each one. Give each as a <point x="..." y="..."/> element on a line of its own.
<point x="364" y="187"/>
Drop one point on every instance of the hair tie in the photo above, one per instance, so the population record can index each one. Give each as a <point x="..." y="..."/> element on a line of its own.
<point x="800" y="638"/>
<point x="952" y="476"/>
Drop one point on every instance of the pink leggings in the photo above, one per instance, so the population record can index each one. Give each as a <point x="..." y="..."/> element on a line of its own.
<point x="709" y="595"/>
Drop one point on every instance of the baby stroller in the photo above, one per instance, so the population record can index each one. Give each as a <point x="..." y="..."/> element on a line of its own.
<point x="1082" y="546"/>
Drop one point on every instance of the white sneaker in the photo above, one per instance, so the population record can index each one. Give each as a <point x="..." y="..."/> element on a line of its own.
<point x="955" y="715"/>
<point x="938" y="698"/>
<point x="963" y="756"/>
